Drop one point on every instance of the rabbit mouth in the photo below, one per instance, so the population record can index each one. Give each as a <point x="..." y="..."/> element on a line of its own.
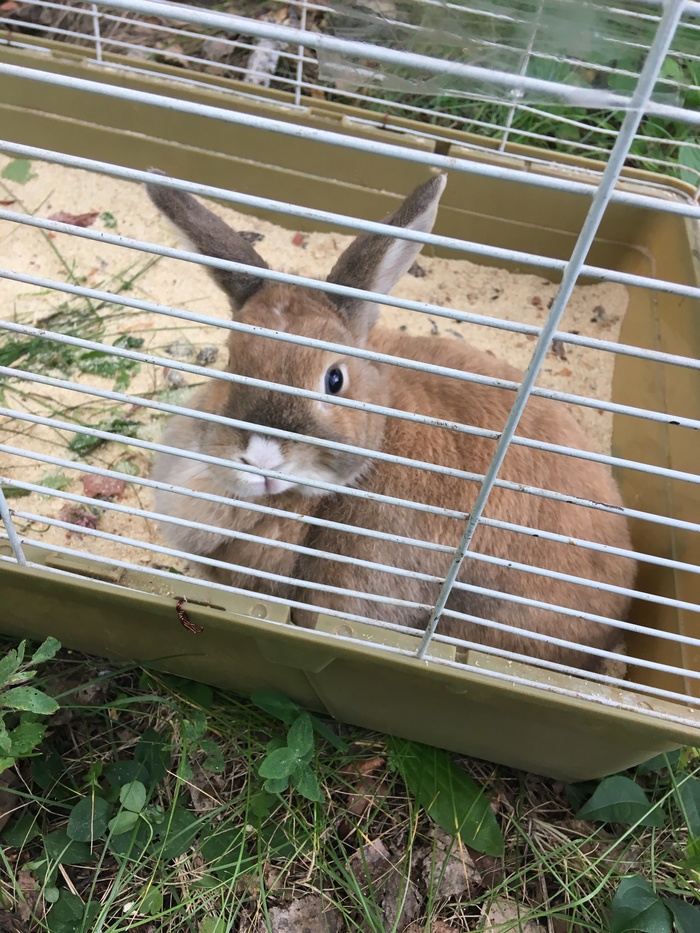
<point x="246" y="485"/>
<point x="295" y="461"/>
<point x="253" y="486"/>
<point x="265" y="454"/>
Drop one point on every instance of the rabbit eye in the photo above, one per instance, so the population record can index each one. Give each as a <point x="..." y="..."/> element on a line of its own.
<point x="334" y="381"/>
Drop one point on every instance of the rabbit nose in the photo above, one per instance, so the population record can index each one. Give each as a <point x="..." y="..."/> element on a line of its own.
<point x="262" y="452"/>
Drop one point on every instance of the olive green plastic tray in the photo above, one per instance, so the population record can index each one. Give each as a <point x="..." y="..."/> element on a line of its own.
<point x="248" y="644"/>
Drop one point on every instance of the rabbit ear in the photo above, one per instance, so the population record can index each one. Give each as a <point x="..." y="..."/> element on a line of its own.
<point x="209" y="235"/>
<point x="376" y="262"/>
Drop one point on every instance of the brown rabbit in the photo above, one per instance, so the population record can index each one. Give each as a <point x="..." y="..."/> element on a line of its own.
<point x="376" y="262"/>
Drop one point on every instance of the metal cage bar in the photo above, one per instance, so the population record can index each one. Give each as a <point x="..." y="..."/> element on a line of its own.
<point x="514" y="83"/>
<point x="615" y="44"/>
<point x="640" y="101"/>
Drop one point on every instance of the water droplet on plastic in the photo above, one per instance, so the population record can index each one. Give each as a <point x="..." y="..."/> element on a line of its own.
<point x="259" y="611"/>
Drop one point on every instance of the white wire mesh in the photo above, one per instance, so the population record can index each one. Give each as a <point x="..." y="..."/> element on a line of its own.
<point x="548" y="73"/>
<point x="508" y="81"/>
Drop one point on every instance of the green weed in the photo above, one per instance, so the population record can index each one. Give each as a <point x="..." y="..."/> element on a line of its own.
<point x="149" y="805"/>
<point x="22" y="706"/>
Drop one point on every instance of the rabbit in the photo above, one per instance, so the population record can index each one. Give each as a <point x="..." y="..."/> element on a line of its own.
<point x="376" y="262"/>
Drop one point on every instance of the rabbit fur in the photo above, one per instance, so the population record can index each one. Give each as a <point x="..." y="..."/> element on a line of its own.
<point x="376" y="262"/>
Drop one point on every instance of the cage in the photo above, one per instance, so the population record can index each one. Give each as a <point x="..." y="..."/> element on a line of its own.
<point x="566" y="244"/>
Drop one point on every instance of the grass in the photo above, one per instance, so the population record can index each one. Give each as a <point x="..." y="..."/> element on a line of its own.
<point x="211" y="850"/>
<point x="98" y="322"/>
<point x="663" y="146"/>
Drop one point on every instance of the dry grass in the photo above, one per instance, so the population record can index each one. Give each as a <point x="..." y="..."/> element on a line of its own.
<point x="366" y="860"/>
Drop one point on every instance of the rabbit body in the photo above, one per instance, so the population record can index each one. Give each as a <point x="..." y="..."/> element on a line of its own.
<point x="375" y="262"/>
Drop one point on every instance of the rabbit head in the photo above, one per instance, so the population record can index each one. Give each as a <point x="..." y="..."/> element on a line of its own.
<point x="372" y="262"/>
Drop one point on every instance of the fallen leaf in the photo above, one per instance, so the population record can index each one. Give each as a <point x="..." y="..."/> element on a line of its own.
<point x="79" y="515"/>
<point x="273" y="876"/>
<point x="93" y="693"/>
<point x="26" y="905"/>
<point x="14" y="492"/>
<point x="370" y="764"/>
<point x="310" y="914"/>
<point x="370" y="861"/>
<point x="19" y="171"/>
<point x="299" y="239"/>
<point x="490" y="867"/>
<point x="207" y="355"/>
<point x="380" y="873"/>
<point x="366" y="788"/>
<point x="559" y="349"/>
<point x="565" y="371"/>
<point x="174" y="54"/>
<point x="102" y="487"/>
<point x="174" y="378"/>
<point x="503" y="912"/>
<point x="5" y="202"/>
<point x="216" y="50"/>
<point x="11" y="923"/>
<point x="179" y="350"/>
<point x="449" y="870"/>
<point x="78" y="220"/>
